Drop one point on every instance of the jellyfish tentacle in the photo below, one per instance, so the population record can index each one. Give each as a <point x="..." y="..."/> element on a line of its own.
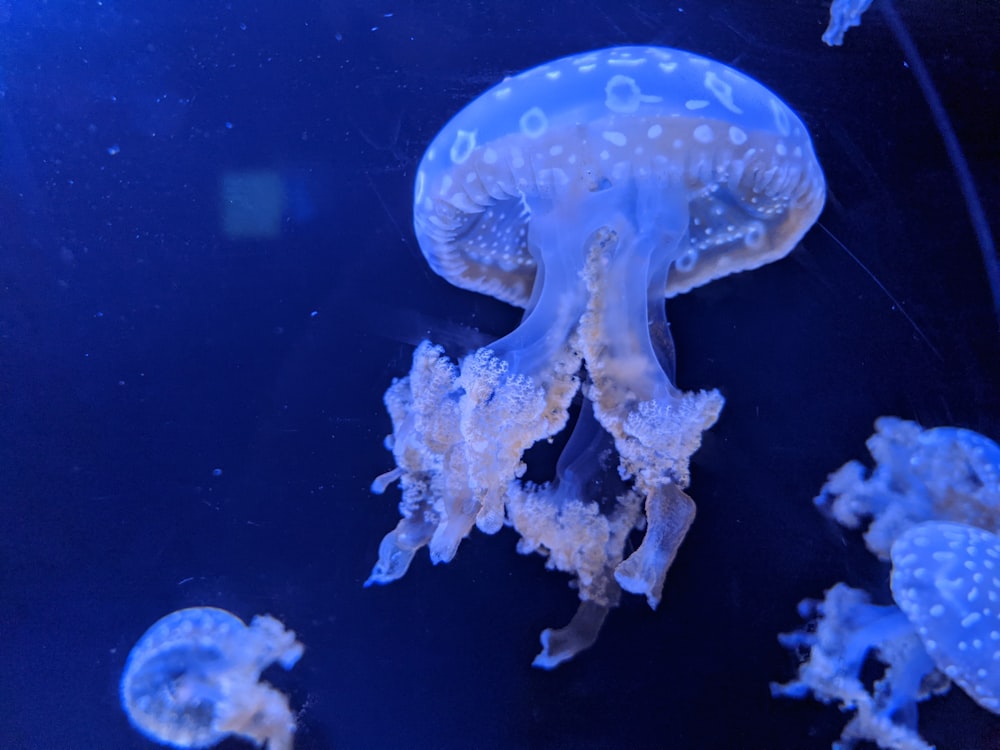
<point x="517" y="391"/>
<point x="504" y="413"/>
<point x="562" y="644"/>
<point x="580" y="523"/>
<point x="430" y="460"/>
<point x="669" y="515"/>
<point x="655" y="425"/>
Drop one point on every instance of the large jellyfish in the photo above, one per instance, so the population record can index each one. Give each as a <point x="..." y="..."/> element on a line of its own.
<point x="585" y="190"/>
<point x="933" y="502"/>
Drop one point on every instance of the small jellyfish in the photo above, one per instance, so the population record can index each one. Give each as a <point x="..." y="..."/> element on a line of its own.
<point x="844" y="15"/>
<point x="194" y="679"/>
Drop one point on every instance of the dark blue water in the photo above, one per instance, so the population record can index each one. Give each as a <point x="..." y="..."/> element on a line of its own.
<point x="191" y="400"/>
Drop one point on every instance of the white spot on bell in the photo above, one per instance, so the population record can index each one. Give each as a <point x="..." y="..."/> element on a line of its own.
<point x="534" y="123"/>
<point x="704" y="134"/>
<point x="781" y="121"/>
<point x="614" y="137"/>
<point x="622" y="94"/>
<point x="723" y="91"/>
<point x="686" y="262"/>
<point x="462" y="148"/>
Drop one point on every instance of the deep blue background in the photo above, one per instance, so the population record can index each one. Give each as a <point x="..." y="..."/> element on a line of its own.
<point x="140" y="349"/>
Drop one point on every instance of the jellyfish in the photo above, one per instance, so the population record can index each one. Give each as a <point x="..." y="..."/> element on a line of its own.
<point x="932" y="506"/>
<point x="944" y="627"/>
<point x="585" y="190"/>
<point x="193" y="679"/>
<point x="942" y="474"/>
<point x="844" y="15"/>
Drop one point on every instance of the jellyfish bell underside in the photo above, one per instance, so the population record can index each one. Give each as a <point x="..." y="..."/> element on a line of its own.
<point x="586" y="191"/>
<point x="193" y="679"/>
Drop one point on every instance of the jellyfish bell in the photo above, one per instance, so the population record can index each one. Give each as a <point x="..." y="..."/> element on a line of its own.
<point x="736" y="155"/>
<point x="586" y="190"/>
<point x="946" y="578"/>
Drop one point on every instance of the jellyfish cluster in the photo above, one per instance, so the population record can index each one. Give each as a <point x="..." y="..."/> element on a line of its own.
<point x="930" y="507"/>
<point x="585" y="190"/>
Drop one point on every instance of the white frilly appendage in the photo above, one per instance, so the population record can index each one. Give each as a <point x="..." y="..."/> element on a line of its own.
<point x="458" y="437"/>
<point x="656" y="427"/>
<point x="580" y="523"/>
<point x="460" y="431"/>
<point x="437" y="507"/>
<point x="844" y="628"/>
<point x="939" y="474"/>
